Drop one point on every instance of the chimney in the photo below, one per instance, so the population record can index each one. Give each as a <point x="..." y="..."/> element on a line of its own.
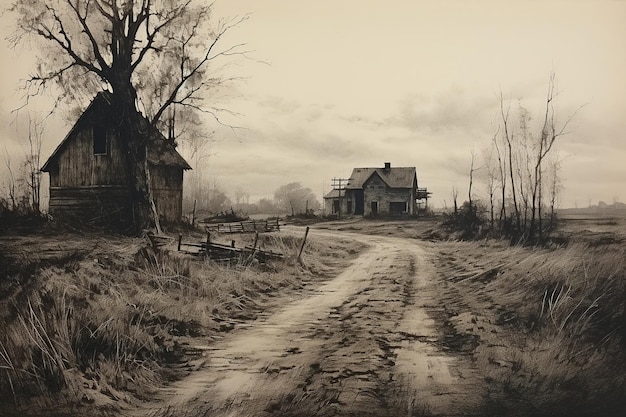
<point x="387" y="166"/>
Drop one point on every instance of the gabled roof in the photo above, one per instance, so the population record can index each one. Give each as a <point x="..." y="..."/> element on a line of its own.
<point x="100" y="100"/>
<point x="332" y="194"/>
<point x="394" y="177"/>
<point x="160" y="151"/>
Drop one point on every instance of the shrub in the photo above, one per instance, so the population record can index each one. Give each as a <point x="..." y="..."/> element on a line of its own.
<point x="468" y="221"/>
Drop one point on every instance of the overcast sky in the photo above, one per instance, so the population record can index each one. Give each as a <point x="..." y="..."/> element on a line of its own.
<point x="335" y="85"/>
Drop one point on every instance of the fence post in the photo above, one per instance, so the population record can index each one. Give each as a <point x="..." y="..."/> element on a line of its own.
<point x="256" y="240"/>
<point x="180" y="240"/>
<point x="303" y="242"/>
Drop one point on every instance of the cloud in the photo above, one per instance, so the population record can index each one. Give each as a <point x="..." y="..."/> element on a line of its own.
<point x="453" y="117"/>
<point x="312" y="143"/>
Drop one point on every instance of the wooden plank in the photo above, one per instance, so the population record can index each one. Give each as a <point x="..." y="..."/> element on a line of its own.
<point x="250" y="226"/>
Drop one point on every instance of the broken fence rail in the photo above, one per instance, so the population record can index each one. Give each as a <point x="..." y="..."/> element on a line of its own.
<point x="248" y="226"/>
<point x="220" y="252"/>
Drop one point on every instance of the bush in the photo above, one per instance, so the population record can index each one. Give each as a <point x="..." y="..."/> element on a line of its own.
<point x="468" y="220"/>
<point x="22" y="217"/>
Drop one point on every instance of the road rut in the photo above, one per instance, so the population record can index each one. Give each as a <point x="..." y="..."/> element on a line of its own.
<point x="364" y="344"/>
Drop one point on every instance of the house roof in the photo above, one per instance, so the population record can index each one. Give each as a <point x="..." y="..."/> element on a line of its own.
<point x="160" y="151"/>
<point x="332" y="194"/>
<point x="394" y="177"/>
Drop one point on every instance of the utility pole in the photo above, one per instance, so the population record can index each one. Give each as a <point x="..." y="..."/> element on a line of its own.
<point x="339" y="184"/>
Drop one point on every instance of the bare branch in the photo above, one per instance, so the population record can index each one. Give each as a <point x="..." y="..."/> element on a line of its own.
<point x="65" y="43"/>
<point x="207" y="58"/>
<point x="94" y="45"/>
<point x="108" y="15"/>
<point x="150" y="36"/>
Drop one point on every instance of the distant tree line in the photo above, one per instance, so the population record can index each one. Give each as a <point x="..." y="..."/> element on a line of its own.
<point x="292" y="199"/>
<point x="20" y="191"/>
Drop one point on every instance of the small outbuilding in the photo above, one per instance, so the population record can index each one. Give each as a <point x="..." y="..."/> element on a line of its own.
<point x="377" y="191"/>
<point x="88" y="175"/>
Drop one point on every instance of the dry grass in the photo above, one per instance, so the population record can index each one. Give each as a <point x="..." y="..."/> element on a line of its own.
<point x="550" y="323"/>
<point x="111" y="326"/>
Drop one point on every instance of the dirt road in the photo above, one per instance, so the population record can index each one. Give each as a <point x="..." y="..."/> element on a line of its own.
<point x="364" y="344"/>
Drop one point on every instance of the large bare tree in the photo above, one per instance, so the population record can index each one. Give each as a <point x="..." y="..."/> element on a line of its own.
<point x="152" y="55"/>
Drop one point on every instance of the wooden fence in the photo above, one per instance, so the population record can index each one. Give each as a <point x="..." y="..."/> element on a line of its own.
<point x="249" y="226"/>
<point x="224" y="253"/>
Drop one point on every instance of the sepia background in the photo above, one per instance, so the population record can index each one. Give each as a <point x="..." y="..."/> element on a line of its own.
<point x="328" y="86"/>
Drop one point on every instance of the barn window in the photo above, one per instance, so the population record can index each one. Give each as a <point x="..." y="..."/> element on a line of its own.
<point x="100" y="145"/>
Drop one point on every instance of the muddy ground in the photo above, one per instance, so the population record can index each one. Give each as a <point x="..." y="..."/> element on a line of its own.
<point x="363" y="345"/>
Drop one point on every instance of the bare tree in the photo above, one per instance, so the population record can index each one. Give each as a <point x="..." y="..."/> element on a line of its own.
<point x="471" y="177"/>
<point x="11" y="180"/>
<point x="127" y="46"/>
<point x="33" y="163"/>
<point x="509" y="137"/>
<point x="502" y="177"/>
<point x="455" y="194"/>
<point x="549" y="133"/>
<point x="490" y="175"/>
<point x="555" y="188"/>
<point x="521" y="165"/>
<point x="524" y="161"/>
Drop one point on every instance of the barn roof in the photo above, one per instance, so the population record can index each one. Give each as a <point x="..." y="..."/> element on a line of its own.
<point x="160" y="151"/>
<point x="394" y="177"/>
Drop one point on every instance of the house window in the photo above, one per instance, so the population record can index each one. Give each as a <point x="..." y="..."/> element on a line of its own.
<point x="397" y="206"/>
<point x="100" y="143"/>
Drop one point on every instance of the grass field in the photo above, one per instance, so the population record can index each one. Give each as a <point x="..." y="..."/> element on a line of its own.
<point x="92" y="322"/>
<point x="546" y="327"/>
<point x="97" y="321"/>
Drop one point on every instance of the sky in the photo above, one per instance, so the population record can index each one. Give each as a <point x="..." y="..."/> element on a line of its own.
<point x="333" y="85"/>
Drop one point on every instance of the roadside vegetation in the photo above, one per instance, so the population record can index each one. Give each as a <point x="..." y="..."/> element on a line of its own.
<point x="537" y="300"/>
<point x="545" y="325"/>
<point x="108" y="320"/>
<point x="520" y="175"/>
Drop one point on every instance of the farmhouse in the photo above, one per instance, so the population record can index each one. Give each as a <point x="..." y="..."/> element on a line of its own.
<point x="374" y="191"/>
<point x="88" y="178"/>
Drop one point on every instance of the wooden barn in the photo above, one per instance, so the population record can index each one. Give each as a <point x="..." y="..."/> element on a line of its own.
<point x="88" y="180"/>
<point x="377" y="191"/>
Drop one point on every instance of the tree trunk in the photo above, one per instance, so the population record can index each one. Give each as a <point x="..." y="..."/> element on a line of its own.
<point x="513" y="190"/>
<point x="539" y="206"/>
<point x="133" y="134"/>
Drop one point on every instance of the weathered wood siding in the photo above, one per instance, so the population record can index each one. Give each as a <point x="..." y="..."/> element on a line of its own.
<point x="77" y="166"/>
<point x="167" y="190"/>
<point x="96" y="205"/>
<point x="88" y="181"/>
